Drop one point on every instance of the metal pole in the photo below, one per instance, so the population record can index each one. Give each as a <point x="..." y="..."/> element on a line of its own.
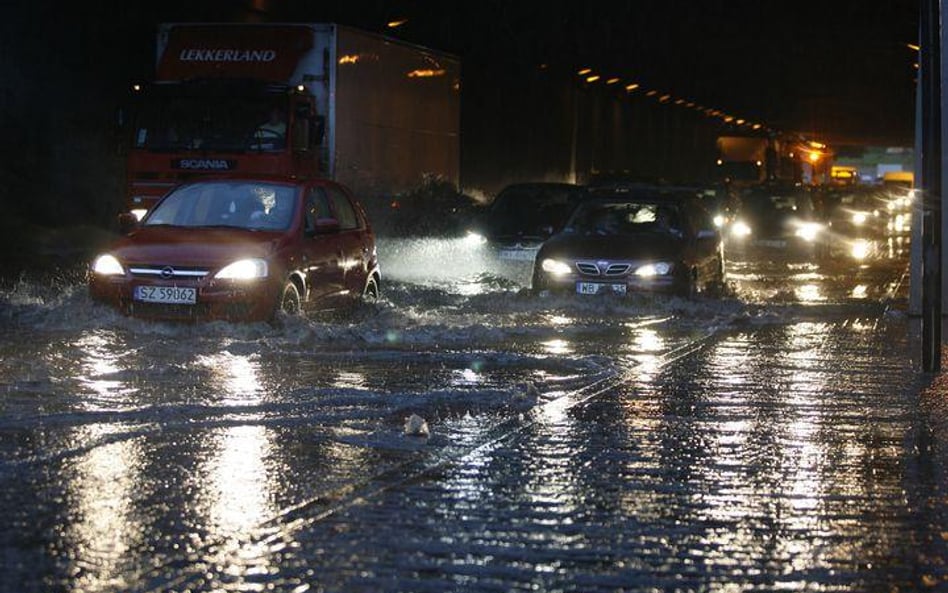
<point x="930" y="61"/>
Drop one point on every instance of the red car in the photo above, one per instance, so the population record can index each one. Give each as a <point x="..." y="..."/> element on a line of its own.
<point x="243" y="250"/>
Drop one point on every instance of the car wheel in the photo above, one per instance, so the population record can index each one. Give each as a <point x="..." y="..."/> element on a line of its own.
<point x="371" y="292"/>
<point x="290" y="301"/>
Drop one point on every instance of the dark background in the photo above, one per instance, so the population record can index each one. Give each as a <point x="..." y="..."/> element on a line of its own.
<point x="836" y="70"/>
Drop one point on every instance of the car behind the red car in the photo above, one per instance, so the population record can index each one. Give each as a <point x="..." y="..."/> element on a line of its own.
<point x="243" y="250"/>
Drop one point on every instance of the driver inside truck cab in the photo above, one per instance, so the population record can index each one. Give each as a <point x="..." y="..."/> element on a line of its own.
<point x="274" y="128"/>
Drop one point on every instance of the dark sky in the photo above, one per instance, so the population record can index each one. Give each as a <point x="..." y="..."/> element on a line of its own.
<point x="833" y="67"/>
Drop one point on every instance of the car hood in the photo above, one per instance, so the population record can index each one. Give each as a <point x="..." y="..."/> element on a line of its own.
<point x="205" y="247"/>
<point x="650" y="246"/>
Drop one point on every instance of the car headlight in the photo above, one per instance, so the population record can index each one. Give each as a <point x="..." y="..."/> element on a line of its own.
<point x="107" y="265"/>
<point x="860" y="218"/>
<point x="860" y="249"/>
<point x="244" y="269"/>
<point x="808" y="231"/>
<point x="651" y="270"/>
<point x="473" y="239"/>
<point x="740" y="229"/>
<point x="719" y="220"/>
<point x="555" y="267"/>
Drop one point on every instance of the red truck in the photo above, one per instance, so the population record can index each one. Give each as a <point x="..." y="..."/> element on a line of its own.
<point x="292" y="100"/>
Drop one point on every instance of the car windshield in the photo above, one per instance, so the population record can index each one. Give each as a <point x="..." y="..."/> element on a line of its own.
<point x="780" y="205"/>
<point x="239" y="204"/>
<point x="627" y="218"/>
<point x="528" y="210"/>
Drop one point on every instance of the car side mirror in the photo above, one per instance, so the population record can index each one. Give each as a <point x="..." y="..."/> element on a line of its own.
<point x="326" y="226"/>
<point x="127" y="222"/>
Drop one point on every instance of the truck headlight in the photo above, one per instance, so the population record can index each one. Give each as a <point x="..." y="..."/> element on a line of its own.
<point x="107" y="265"/>
<point x="555" y="267"/>
<point x="244" y="269"/>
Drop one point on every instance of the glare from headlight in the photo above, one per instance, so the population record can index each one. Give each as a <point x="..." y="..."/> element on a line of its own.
<point x="808" y="231"/>
<point x="555" y="267"/>
<point x="860" y="218"/>
<point x="740" y="229"/>
<point x="719" y="220"/>
<point x="245" y="269"/>
<point x="139" y="213"/>
<point x="107" y="265"/>
<point x="651" y="270"/>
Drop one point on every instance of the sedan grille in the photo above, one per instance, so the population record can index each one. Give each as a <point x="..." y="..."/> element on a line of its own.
<point x="168" y="272"/>
<point x="617" y="269"/>
<point x="587" y="268"/>
<point x="603" y="268"/>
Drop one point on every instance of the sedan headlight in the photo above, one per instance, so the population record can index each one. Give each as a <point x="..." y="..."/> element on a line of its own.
<point x="861" y="249"/>
<point x="245" y="269"/>
<point x="808" y="231"/>
<point x="473" y="239"/>
<point x="555" y="267"/>
<point x="652" y="270"/>
<point x="740" y="229"/>
<point x="860" y="218"/>
<point x="107" y="265"/>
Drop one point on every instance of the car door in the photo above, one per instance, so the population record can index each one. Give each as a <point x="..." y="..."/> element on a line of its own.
<point x="352" y="242"/>
<point x="707" y="241"/>
<point x="322" y="255"/>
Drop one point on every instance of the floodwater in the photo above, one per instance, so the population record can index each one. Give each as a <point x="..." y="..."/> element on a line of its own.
<point x="602" y="444"/>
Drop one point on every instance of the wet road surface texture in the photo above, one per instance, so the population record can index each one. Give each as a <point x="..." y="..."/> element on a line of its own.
<point x="775" y="438"/>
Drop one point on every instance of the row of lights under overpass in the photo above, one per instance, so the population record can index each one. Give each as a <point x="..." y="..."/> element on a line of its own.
<point x="589" y="76"/>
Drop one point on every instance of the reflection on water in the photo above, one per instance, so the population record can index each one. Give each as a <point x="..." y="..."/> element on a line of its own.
<point x="100" y="359"/>
<point x="238" y="499"/>
<point x="346" y="379"/>
<point x="557" y="346"/>
<point x="237" y="376"/>
<point x="648" y="346"/>
<point x="105" y="529"/>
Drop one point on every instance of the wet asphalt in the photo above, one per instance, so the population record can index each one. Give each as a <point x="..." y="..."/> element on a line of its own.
<point x="711" y="446"/>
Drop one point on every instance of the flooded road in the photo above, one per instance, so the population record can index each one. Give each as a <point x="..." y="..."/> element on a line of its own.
<point x="605" y="444"/>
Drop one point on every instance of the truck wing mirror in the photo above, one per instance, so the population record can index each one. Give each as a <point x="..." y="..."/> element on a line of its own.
<point x="301" y="134"/>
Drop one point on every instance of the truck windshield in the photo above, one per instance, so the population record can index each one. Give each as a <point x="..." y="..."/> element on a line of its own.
<point x="211" y="123"/>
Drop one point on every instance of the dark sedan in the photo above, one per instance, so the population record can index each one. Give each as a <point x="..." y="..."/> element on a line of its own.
<point x="649" y="242"/>
<point x="242" y="249"/>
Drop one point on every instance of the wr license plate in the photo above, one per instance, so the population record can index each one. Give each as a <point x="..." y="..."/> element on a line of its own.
<point x="518" y="254"/>
<point x="596" y="287"/>
<point x="172" y="295"/>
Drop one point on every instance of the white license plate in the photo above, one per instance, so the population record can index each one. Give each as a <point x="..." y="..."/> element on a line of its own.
<point x="518" y="254"/>
<point x="596" y="287"/>
<point x="172" y="295"/>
